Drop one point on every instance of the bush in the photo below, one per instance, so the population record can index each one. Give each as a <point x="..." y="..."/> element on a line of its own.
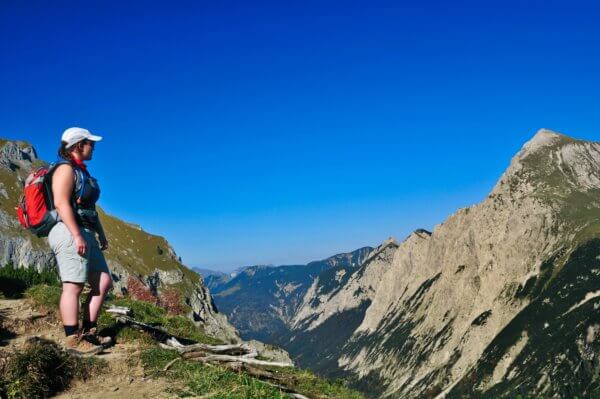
<point x="15" y="281"/>
<point x="139" y="292"/>
<point x="170" y="299"/>
<point x="41" y="369"/>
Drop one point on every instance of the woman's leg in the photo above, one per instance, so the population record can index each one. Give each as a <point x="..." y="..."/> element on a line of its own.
<point x="100" y="284"/>
<point x="69" y="306"/>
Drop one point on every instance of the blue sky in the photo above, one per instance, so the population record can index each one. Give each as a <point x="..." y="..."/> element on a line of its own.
<point x="283" y="132"/>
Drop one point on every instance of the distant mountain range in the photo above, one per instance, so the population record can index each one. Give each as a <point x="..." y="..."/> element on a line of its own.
<point x="261" y="300"/>
<point x="501" y="299"/>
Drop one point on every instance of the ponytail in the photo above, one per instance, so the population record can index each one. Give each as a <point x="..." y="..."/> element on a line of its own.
<point x="64" y="152"/>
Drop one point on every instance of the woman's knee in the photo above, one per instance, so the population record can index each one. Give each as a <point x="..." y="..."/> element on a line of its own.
<point x="72" y="288"/>
<point x="106" y="283"/>
<point x="107" y="286"/>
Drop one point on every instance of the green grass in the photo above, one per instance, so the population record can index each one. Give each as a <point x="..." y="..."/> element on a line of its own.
<point x="44" y="296"/>
<point x="150" y="314"/>
<point x="313" y="386"/>
<point x="200" y="379"/>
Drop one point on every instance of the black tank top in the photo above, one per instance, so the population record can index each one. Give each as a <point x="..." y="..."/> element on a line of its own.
<point x="86" y="194"/>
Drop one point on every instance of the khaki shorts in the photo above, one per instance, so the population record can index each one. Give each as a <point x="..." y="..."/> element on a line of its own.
<point x="73" y="267"/>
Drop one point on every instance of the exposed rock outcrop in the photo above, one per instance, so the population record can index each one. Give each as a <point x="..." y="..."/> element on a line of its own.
<point x="438" y="320"/>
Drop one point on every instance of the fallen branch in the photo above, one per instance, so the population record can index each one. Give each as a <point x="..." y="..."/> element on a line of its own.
<point x="240" y="359"/>
<point x="172" y="362"/>
<point x="119" y="310"/>
<point x="234" y="349"/>
<point x="161" y="332"/>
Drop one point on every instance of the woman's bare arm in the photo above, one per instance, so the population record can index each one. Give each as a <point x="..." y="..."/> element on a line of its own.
<point x="63" y="181"/>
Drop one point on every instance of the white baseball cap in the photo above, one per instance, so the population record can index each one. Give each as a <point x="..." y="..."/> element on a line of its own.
<point x="74" y="135"/>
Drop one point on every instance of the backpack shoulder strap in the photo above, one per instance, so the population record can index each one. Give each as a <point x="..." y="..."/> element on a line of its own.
<point x="52" y="167"/>
<point x="79" y="178"/>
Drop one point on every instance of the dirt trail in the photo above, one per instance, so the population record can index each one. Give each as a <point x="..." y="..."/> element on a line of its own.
<point x="120" y="379"/>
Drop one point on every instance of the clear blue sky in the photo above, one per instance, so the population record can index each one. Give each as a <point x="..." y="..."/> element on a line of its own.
<point x="282" y="132"/>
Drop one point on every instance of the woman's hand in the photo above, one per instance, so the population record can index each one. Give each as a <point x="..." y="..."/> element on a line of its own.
<point x="103" y="242"/>
<point x="81" y="245"/>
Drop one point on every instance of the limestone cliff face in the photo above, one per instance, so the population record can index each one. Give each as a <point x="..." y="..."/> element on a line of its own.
<point x="501" y="297"/>
<point x="132" y="252"/>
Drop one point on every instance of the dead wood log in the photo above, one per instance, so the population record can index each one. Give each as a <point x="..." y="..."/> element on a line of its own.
<point x="192" y="355"/>
<point x="241" y="359"/>
<point x="168" y="365"/>
<point x="225" y="355"/>
<point x="160" y="333"/>
<point x="119" y="310"/>
<point x="242" y="349"/>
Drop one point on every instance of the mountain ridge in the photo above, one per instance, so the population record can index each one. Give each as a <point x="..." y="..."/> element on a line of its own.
<point x="459" y="311"/>
<point x="261" y="299"/>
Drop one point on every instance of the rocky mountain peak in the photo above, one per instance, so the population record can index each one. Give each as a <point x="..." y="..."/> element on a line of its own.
<point x="543" y="138"/>
<point x="551" y="163"/>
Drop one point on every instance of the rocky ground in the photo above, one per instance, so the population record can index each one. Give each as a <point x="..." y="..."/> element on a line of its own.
<point x="119" y="379"/>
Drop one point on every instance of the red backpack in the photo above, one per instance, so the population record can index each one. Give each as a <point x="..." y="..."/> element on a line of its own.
<point x="36" y="208"/>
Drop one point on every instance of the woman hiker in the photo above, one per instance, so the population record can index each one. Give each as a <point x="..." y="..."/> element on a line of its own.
<point x="73" y="241"/>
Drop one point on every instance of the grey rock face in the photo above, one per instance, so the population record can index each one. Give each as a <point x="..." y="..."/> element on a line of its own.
<point x="271" y="352"/>
<point x="17" y="154"/>
<point x="20" y="252"/>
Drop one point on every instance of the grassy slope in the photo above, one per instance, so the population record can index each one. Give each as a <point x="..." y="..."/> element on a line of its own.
<point x="141" y="253"/>
<point x="199" y="379"/>
<point x="579" y="209"/>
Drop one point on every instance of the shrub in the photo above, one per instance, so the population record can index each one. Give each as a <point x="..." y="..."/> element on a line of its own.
<point x="15" y="281"/>
<point x="139" y="292"/>
<point x="41" y="369"/>
<point x="170" y="300"/>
